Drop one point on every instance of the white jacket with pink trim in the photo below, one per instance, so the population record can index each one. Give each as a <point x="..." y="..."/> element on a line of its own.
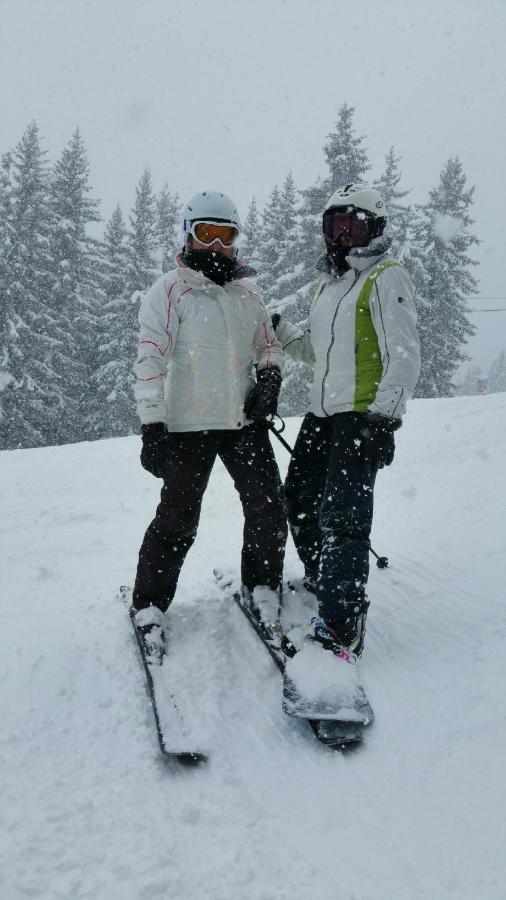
<point x="198" y="344"/>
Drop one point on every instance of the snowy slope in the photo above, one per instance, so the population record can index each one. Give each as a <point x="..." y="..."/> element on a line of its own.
<point x="88" y="811"/>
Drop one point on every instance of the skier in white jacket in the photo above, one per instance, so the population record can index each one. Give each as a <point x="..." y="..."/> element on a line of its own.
<point x="204" y="332"/>
<point x="362" y="344"/>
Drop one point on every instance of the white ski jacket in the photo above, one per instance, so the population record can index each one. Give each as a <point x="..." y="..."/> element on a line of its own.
<point x="360" y="339"/>
<point x="197" y="347"/>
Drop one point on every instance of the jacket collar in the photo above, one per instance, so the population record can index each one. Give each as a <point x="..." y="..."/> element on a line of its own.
<point x="359" y="259"/>
<point x="362" y="258"/>
<point x="190" y="276"/>
<point x="362" y="263"/>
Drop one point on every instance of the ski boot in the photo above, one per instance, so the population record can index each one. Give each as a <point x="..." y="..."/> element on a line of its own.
<point x="149" y="623"/>
<point x="264" y="604"/>
<point x="344" y="635"/>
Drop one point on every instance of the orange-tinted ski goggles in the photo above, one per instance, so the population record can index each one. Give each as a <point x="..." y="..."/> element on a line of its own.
<point x="209" y="232"/>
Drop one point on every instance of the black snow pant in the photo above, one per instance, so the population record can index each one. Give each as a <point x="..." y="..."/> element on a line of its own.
<point x="304" y="486"/>
<point x="330" y="494"/>
<point x="248" y="457"/>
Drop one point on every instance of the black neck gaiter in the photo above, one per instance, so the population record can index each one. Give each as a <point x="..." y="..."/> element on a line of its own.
<point x="218" y="268"/>
<point x="336" y="256"/>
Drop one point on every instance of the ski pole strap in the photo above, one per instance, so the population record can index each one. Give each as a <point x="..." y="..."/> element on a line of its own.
<point x="277" y="431"/>
<point x="282" y="423"/>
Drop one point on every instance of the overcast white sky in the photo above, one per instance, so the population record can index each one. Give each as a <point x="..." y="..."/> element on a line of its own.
<point x="234" y="93"/>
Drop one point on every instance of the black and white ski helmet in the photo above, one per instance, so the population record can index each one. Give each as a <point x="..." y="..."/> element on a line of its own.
<point x="360" y="196"/>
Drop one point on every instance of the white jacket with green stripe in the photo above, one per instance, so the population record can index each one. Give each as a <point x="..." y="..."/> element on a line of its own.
<point x="360" y="339"/>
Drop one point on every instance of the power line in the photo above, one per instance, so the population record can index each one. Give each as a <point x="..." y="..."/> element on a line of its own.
<point x="480" y="297"/>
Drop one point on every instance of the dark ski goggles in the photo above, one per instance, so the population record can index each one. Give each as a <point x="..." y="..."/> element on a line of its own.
<point x="354" y="225"/>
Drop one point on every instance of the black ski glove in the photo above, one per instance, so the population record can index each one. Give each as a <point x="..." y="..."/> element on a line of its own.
<point x="155" y="451"/>
<point x="378" y="444"/>
<point x="275" y="319"/>
<point x="262" y="400"/>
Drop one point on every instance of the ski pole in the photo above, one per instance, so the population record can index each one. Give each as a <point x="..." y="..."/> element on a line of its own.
<point x="381" y="561"/>
<point x="277" y="432"/>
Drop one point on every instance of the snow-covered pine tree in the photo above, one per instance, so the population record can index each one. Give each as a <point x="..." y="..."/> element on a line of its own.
<point x="143" y="238"/>
<point x="115" y="408"/>
<point x="168" y="209"/>
<point x="288" y="267"/>
<point x="440" y="265"/>
<point x="251" y="236"/>
<point x="6" y="245"/>
<point x="497" y="374"/>
<point x="268" y="244"/>
<point x="116" y="253"/>
<point x="78" y="291"/>
<point x="313" y="203"/>
<point x="141" y="270"/>
<point x="276" y="258"/>
<point x="284" y="296"/>
<point x="398" y="212"/>
<point x="6" y="216"/>
<point x="347" y="161"/>
<point x="33" y="342"/>
<point x="345" y="153"/>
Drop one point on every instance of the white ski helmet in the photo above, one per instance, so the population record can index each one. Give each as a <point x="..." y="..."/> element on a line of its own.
<point x="361" y="196"/>
<point x="206" y="206"/>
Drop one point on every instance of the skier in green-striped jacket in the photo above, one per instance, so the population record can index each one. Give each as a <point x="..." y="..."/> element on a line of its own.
<point x="362" y="343"/>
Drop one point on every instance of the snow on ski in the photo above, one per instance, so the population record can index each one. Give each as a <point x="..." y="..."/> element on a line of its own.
<point x="172" y="733"/>
<point x="334" y="701"/>
<point x="336" y="735"/>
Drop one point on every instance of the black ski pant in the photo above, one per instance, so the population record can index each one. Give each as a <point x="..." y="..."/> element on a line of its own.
<point x="248" y="457"/>
<point x="330" y="496"/>
<point x="304" y="487"/>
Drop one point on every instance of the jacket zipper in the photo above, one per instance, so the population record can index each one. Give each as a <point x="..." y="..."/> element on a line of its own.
<point x="357" y="276"/>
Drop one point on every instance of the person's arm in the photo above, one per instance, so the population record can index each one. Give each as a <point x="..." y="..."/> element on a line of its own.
<point x="267" y="347"/>
<point x="394" y="318"/>
<point x="295" y="340"/>
<point x="262" y="400"/>
<point x="159" y="322"/>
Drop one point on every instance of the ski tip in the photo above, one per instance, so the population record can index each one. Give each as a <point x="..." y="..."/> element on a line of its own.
<point x="343" y="746"/>
<point x="340" y="737"/>
<point x="187" y="758"/>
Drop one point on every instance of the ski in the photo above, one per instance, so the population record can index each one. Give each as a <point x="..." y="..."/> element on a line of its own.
<point x="336" y="698"/>
<point x="171" y="749"/>
<point x="348" y="705"/>
<point x="337" y="735"/>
